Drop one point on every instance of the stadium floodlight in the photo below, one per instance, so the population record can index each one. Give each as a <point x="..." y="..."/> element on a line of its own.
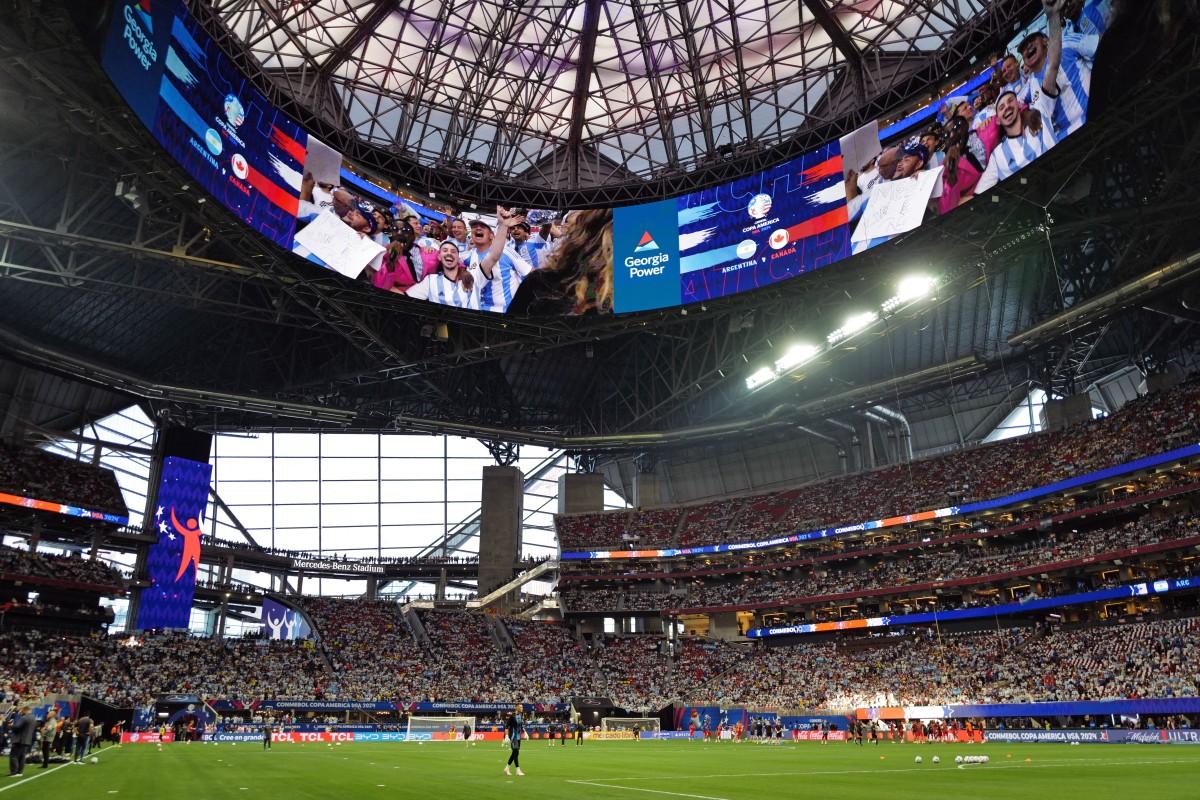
<point x="796" y="356"/>
<point x="910" y="289"/>
<point x="762" y="376"/>
<point x="914" y="287"/>
<point x="852" y="326"/>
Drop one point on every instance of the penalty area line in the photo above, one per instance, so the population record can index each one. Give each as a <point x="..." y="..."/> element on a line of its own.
<point x="647" y="791"/>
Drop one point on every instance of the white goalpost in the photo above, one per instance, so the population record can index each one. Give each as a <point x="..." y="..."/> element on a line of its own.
<point x="628" y="727"/>
<point x="437" y="729"/>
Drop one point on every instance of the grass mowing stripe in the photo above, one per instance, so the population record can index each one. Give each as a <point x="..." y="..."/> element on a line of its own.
<point x="40" y="774"/>
<point x="625" y="771"/>
<point x="649" y="791"/>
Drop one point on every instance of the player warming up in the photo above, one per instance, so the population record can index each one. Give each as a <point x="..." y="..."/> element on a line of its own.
<point x="513" y="729"/>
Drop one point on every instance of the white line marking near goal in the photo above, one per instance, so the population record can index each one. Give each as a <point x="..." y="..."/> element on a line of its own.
<point x="648" y="791"/>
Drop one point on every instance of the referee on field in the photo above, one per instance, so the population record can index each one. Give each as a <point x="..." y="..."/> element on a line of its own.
<point x="513" y="729"/>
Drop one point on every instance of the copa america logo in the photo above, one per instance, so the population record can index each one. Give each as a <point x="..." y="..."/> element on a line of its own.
<point x="760" y="206"/>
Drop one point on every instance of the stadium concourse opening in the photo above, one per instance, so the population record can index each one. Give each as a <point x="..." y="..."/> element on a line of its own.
<point x="411" y="400"/>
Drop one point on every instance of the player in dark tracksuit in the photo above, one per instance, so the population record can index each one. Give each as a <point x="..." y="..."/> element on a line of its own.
<point x="513" y="730"/>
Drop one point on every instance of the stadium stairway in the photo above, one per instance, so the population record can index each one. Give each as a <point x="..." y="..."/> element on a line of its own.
<point x="541" y="569"/>
<point x="500" y="635"/>
<point x="414" y="623"/>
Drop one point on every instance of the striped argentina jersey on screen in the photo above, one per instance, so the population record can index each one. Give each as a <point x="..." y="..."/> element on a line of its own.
<point x="531" y="251"/>
<point x="1074" y="83"/>
<point x="1094" y="17"/>
<point x="496" y="294"/>
<point x="1013" y="153"/>
<point x="437" y="288"/>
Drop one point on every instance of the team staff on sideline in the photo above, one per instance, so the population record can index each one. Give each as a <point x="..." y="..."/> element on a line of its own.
<point x="514" y="728"/>
<point x="49" y="729"/>
<point x="578" y="734"/>
<point x="266" y="734"/>
<point x="21" y="735"/>
<point x="83" y="738"/>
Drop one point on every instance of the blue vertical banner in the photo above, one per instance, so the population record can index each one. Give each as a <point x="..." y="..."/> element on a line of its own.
<point x="174" y="560"/>
<point x="646" y="256"/>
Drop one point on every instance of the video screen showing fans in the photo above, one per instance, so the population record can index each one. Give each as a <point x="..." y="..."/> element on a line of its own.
<point x="813" y="211"/>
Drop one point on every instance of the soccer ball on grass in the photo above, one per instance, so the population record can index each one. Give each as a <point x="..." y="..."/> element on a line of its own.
<point x="917" y="759"/>
<point x="95" y="760"/>
<point x="937" y="760"/>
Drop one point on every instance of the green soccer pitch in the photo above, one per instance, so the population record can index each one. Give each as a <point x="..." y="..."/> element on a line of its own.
<point x="616" y="770"/>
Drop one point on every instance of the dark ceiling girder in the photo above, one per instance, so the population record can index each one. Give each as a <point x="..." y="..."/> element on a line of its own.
<point x="351" y="43"/>
<point x="842" y="41"/>
<point x="584" y="63"/>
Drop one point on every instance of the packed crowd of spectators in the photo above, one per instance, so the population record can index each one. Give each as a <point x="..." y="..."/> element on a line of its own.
<point x="965" y="559"/>
<point x="1145" y="426"/>
<point x="1152" y="659"/>
<point x="129" y="671"/>
<point x="39" y="475"/>
<point x="367" y="642"/>
<point x="72" y="568"/>
<point x="545" y="662"/>
<point x="866" y="543"/>
<point x="639" y="673"/>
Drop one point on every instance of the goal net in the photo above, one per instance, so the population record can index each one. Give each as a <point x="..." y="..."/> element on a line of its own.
<point x="437" y="729"/>
<point x="628" y="727"/>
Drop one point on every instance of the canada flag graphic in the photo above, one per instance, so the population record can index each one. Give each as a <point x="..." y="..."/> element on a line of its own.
<point x="647" y="243"/>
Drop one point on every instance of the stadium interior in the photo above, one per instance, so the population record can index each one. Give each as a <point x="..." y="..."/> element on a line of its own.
<point x="983" y="492"/>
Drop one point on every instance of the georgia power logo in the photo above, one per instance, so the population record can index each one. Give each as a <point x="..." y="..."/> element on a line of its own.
<point x="647" y="243"/>
<point x="760" y="206"/>
<point x="779" y="238"/>
<point x="137" y="18"/>
<point x="645" y="266"/>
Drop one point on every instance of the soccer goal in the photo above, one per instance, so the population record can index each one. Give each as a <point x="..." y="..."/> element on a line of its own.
<point x="437" y="729"/>
<point x="629" y="725"/>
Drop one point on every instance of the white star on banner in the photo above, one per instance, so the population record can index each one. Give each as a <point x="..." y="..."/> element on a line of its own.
<point x="162" y="527"/>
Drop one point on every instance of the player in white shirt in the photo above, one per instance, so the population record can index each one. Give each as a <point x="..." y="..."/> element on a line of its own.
<point x="459" y="284"/>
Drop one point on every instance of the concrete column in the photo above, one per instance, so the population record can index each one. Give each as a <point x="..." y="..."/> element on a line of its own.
<point x="97" y="540"/>
<point x="647" y="490"/>
<point x="372" y="588"/>
<point x="1058" y="415"/>
<point x="581" y="493"/>
<point x="501" y="514"/>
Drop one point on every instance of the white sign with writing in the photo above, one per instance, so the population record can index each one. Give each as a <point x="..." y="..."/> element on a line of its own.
<point x="897" y="206"/>
<point x="338" y="245"/>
